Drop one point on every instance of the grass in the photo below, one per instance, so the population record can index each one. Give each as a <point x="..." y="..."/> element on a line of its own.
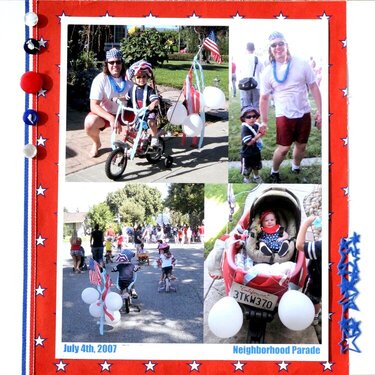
<point x="218" y="192"/>
<point x="269" y="140"/>
<point x="310" y="175"/>
<point x="173" y="74"/>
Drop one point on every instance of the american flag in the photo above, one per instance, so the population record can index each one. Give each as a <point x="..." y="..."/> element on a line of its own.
<point x="211" y="45"/>
<point x="231" y="201"/>
<point x="192" y="96"/>
<point x="94" y="272"/>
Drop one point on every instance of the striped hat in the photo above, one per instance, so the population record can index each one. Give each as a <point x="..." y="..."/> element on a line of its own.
<point x="113" y="53"/>
<point x="141" y="65"/>
<point x="276" y="35"/>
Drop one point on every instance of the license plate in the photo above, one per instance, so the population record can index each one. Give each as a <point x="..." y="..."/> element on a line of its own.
<point x="253" y="297"/>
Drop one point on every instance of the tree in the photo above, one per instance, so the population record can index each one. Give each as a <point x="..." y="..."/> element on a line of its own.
<point x="100" y="214"/>
<point x="131" y="213"/>
<point x="147" y="44"/>
<point x="140" y="195"/>
<point x="187" y="199"/>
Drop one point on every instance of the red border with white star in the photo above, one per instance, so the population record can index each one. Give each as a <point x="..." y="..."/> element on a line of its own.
<point x="44" y="180"/>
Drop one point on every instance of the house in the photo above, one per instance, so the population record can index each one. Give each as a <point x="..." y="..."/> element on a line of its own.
<point x="75" y="221"/>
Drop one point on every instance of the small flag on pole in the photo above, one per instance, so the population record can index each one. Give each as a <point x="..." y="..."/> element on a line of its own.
<point x="210" y="44"/>
<point x="94" y="272"/>
<point x="231" y="201"/>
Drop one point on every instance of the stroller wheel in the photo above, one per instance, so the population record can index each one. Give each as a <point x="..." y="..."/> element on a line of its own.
<point x="168" y="161"/>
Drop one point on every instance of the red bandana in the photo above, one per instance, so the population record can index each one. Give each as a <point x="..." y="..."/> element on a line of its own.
<point x="271" y="230"/>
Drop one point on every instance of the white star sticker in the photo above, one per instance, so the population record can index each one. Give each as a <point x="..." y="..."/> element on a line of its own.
<point x="40" y="190"/>
<point x="42" y="42"/>
<point x="327" y="366"/>
<point x="39" y="341"/>
<point x="324" y="16"/>
<point x="61" y="366"/>
<point x="150" y="15"/>
<point x="330" y="315"/>
<point x="150" y="366"/>
<point x="281" y="16"/>
<point x="40" y="240"/>
<point x="194" y="366"/>
<point x="105" y="366"/>
<point x="345" y="91"/>
<point x="194" y="16"/>
<point x="238" y="366"/>
<point x="62" y="15"/>
<point x="39" y="291"/>
<point x="346" y="190"/>
<point x="345" y="140"/>
<point x="42" y="92"/>
<point x="237" y="16"/>
<point x="107" y="14"/>
<point x="41" y="141"/>
<point x="283" y="366"/>
<point x="344" y="43"/>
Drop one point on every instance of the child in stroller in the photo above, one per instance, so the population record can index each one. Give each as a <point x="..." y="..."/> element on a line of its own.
<point x="265" y="278"/>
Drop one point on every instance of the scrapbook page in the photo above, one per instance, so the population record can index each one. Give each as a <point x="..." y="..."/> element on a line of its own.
<point x="235" y="296"/>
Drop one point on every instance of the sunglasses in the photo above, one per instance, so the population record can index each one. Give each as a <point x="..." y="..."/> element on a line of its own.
<point x="117" y="62"/>
<point x="251" y="116"/>
<point x="278" y="44"/>
<point x="139" y="77"/>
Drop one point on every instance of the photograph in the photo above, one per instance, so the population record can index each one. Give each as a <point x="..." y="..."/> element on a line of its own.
<point x="278" y="111"/>
<point x="146" y="103"/>
<point x="130" y="262"/>
<point x="262" y="261"/>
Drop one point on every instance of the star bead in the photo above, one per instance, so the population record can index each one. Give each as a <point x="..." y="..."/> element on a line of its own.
<point x="60" y="366"/>
<point x="40" y="240"/>
<point x="283" y="366"/>
<point x="194" y="366"/>
<point x="238" y="366"/>
<point x="39" y="291"/>
<point x="39" y="341"/>
<point x="150" y="366"/>
<point x="40" y="190"/>
<point x="281" y="16"/>
<point x="237" y="16"/>
<point x="105" y="366"/>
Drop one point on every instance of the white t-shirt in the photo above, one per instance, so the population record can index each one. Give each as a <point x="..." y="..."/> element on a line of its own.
<point x="291" y="96"/>
<point x="101" y="89"/>
<point x="245" y="67"/>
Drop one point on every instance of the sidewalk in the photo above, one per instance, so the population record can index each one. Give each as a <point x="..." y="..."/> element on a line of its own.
<point x="206" y="165"/>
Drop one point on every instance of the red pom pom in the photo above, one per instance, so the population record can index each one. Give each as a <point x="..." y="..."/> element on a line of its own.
<point x="31" y="82"/>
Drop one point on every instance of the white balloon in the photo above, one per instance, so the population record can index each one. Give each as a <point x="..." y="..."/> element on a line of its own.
<point x="225" y="317"/>
<point x="116" y="317"/>
<point x="89" y="295"/>
<point x="214" y="98"/>
<point x="31" y="19"/>
<point x="296" y="311"/>
<point x="113" y="301"/>
<point x="192" y="125"/>
<point x="95" y="309"/>
<point x="177" y="114"/>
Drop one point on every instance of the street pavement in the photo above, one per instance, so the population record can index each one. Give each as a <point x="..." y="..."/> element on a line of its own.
<point x="175" y="317"/>
<point x="209" y="164"/>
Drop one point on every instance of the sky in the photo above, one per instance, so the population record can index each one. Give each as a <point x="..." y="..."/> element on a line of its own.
<point x="82" y="196"/>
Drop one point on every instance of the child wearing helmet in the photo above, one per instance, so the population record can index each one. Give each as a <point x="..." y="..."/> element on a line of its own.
<point x="144" y="96"/>
<point x="126" y="270"/>
<point x="166" y="261"/>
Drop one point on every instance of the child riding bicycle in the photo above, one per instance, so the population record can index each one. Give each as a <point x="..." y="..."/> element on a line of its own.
<point x="166" y="261"/>
<point x="126" y="270"/>
<point x="144" y="96"/>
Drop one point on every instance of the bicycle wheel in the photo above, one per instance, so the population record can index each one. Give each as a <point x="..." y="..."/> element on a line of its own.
<point x="167" y="284"/>
<point x="116" y="163"/>
<point x="155" y="156"/>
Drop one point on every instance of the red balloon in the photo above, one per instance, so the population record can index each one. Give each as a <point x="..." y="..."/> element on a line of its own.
<point x="31" y="82"/>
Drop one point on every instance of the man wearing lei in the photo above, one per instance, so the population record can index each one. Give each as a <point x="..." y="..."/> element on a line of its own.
<point x="288" y="80"/>
<point x="108" y="84"/>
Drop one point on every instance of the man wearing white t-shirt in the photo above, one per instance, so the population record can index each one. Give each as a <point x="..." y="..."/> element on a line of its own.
<point x="107" y="85"/>
<point x="288" y="80"/>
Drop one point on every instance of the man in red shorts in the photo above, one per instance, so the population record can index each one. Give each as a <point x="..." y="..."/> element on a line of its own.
<point x="288" y="80"/>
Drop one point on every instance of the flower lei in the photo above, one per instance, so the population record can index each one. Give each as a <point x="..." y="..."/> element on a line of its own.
<point x="118" y="88"/>
<point x="285" y="74"/>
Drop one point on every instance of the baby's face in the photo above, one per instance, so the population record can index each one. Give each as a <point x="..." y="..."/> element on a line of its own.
<point x="250" y="118"/>
<point x="269" y="220"/>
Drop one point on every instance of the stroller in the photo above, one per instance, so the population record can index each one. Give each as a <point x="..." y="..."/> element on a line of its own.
<point x="259" y="287"/>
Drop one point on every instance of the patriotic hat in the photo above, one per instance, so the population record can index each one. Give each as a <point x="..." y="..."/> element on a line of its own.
<point x="139" y="66"/>
<point x="113" y="53"/>
<point x="276" y="35"/>
<point x="124" y="257"/>
<point x="164" y="246"/>
<point x="248" y="109"/>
